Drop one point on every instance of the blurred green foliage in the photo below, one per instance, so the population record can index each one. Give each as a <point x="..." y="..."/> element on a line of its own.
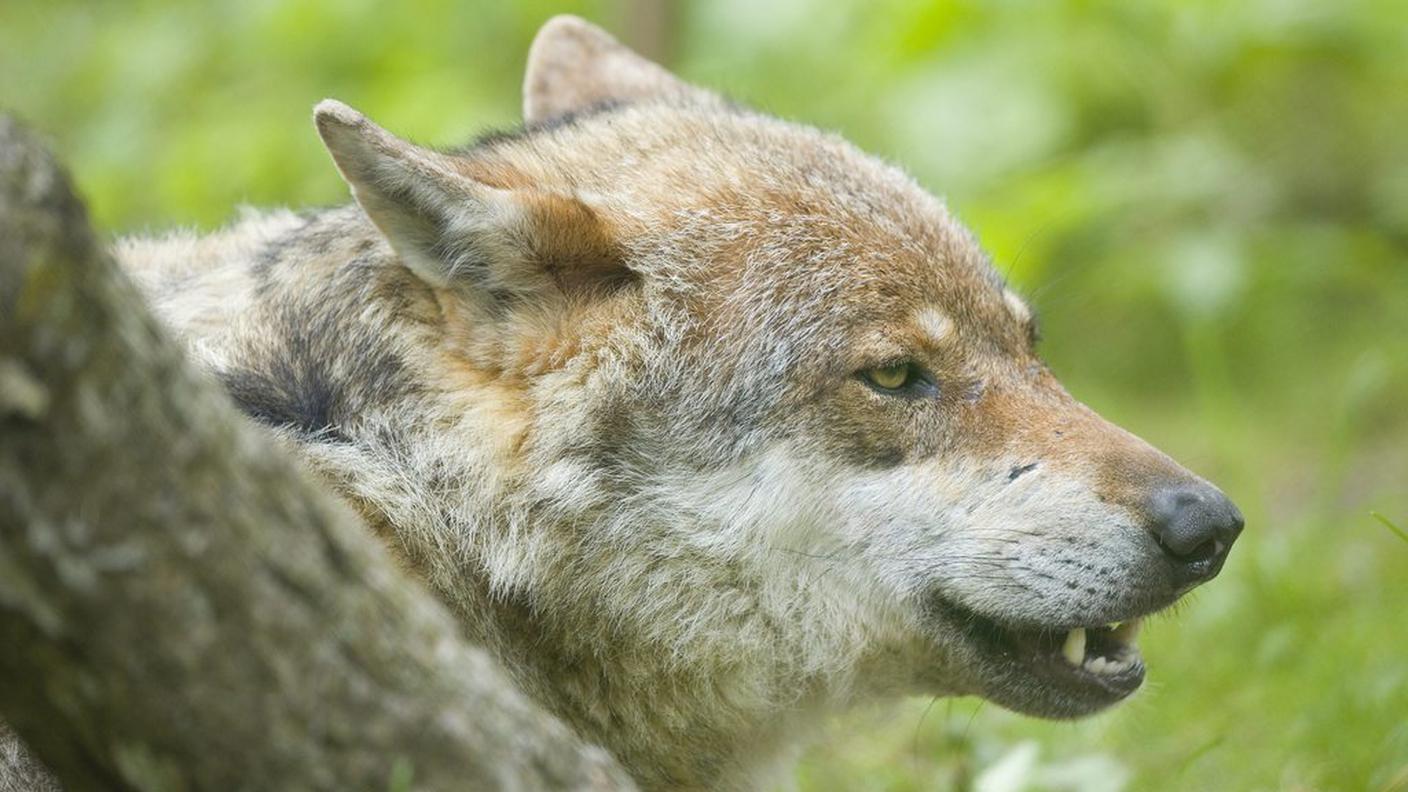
<point x="1207" y="201"/>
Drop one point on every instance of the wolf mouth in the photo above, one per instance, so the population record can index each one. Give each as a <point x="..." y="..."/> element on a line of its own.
<point x="1079" y="670"/>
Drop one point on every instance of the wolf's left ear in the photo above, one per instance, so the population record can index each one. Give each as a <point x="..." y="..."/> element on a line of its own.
<point x="453" y="228"/>
<point x="574" y="65"/>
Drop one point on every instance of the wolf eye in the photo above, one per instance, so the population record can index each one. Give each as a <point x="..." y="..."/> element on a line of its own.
<point x="889" y="377"/>
<point x="899" y="379"/>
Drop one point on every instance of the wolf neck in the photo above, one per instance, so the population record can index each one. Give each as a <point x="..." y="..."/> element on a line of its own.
<point x="318" y="334"/>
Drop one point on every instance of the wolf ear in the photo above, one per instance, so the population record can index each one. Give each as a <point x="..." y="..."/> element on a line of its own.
<point x="453" y="228"/>
<point x="574" y="65"/>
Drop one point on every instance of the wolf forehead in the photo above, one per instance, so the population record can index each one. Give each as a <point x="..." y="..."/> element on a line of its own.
<point x="758" y="220"/>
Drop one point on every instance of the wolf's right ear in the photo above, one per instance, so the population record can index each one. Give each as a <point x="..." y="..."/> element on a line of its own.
<point x="574" y="65"/>
<point x="453" y="228"/>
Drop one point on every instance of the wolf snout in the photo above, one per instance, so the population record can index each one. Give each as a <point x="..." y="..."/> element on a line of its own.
<point x="1195" y="524"/>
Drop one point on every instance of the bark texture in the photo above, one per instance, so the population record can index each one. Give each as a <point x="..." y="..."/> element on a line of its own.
<point x="180" y="607"/>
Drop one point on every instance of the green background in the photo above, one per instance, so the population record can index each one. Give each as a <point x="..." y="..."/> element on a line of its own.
<point x="1206" y="201"/>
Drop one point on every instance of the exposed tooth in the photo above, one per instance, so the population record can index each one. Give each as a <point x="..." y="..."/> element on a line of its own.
<point x="1113" y="626"/>
<point x="1074" y="648"/>
<point x="1127" y="632"/>
<point x="1098" y="665"/>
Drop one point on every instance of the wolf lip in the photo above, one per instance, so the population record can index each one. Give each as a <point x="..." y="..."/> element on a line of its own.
<point x="1100" y="664"/>
<point x="1104" y="656"/>
<point x="1108" y="653"/>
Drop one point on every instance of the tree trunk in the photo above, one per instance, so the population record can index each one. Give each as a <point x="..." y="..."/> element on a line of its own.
<point x="180" y="607"/>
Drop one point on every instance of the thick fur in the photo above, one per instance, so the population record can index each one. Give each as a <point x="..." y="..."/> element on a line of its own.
<point x="596" y="382"/>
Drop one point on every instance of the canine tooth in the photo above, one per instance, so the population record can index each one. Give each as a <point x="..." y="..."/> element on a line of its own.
<point x="1127" y="632"/>
<point x="1074" y="648"/>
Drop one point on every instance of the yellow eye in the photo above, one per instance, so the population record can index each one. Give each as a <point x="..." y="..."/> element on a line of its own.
<point x="889" y="377"/>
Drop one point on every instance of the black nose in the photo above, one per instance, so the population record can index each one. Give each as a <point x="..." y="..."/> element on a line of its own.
<point x="1196" y="525"/>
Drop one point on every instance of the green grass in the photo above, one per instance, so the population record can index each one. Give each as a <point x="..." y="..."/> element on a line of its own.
<point x="402" y="776"/>
<point x="1399" y="532"/>
<point x="1207" y="202"/>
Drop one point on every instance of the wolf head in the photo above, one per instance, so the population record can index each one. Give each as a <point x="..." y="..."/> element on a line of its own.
<point x="732" y="402"/>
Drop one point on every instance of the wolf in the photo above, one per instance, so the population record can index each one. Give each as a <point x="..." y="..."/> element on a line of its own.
<point x="704" y="422"/>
